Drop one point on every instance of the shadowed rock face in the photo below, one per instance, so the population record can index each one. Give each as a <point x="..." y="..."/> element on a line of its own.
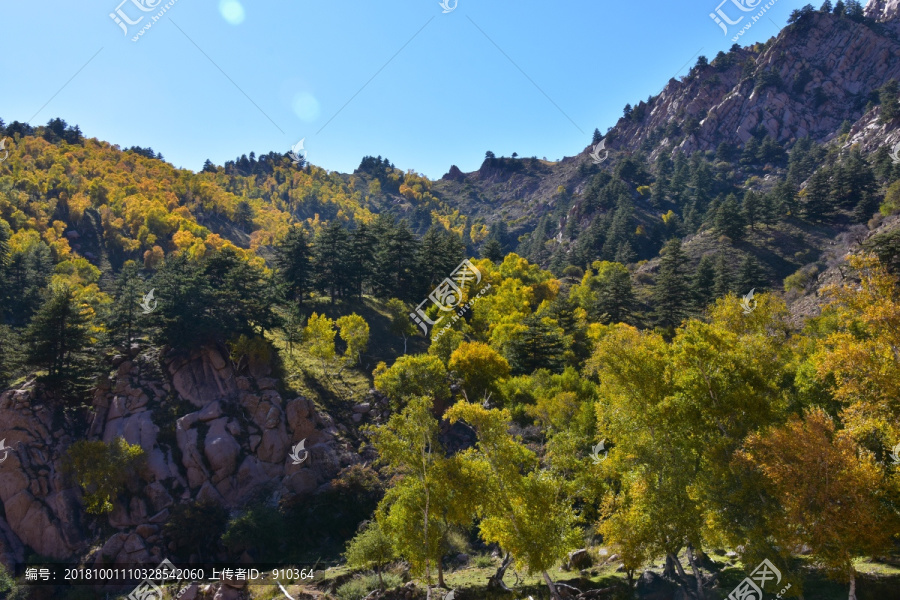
<point x="235" y="444"/>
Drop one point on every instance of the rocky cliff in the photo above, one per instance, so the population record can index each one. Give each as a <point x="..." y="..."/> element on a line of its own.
<point x="209" y="434"/>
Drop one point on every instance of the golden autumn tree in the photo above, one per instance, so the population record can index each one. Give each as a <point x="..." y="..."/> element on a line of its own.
<point x="831" y="493"/>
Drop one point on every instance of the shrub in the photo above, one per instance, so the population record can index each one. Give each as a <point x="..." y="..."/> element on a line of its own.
<point x="196" y="528"/>
<point x="483" y="561"/>
<point x="103" y="470"/>
<point x="361" y="586"/>
<point x="259" y="530"/>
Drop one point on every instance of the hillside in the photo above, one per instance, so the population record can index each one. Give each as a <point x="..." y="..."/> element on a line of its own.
<point x="638" y="377"/>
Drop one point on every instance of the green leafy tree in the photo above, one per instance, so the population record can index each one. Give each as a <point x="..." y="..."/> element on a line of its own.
<point x="512" y="491"/>
<point x="319" y="337"/>
<point x="355" y="332"/>
<point x="370" y="549"/>
<point x="411" y="376"/>
<point x="401" y="323"/>
<point x="481" y="368"/>
<point x="103" y="470"/>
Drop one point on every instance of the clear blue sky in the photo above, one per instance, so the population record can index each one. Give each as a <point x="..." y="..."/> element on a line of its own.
<point x="450" y="92"/>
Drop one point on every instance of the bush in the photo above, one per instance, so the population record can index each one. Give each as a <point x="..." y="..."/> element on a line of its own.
<point x="196" y="528"/>
<point x="103" y="470"/>
<point x="483" y="561"/>
<point x="8" y="587"/>
<point x="259" y="531"/>
<point x="361" y="586"/>
<point x="800" y="280"/>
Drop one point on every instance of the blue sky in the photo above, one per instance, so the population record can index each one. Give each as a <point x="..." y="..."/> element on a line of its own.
<point x="217" y="79"/>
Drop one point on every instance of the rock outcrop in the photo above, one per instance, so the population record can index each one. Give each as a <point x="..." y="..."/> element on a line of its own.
<point x="208" y="433"/>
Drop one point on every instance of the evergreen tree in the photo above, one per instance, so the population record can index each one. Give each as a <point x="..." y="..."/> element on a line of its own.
<point x="208" y="167"/>
<point x="815" y="202"/>
<point x="539" y="346"/>
<point x="5" y="264"/>
<point x="293" y="271"/>
<point x="493" y="251"/>
<point x="890" y="106"/>
<point x="722" y="284"/>
<point x="753" y="208"/>
<point x="361" y="258"/>
<point x="728" y="220"/>
<point x="750" y="275"/>
<point x="597" y="138"/>
<point x="839" y="8"/>
<point x="329" y="258"/>
<point x="703" y="286"/>
<point x="58" y="334"/>
<point x="10" y="355"/>
<point x="125" y="313"/>
<point x="826" y="7"/>
<point x="615" y="296"/>
<point x="28" y="274"/>
<point x="672" y="293"/>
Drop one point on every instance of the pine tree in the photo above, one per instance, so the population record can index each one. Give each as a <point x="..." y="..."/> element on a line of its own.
<point x="292" y="265"/>
<point x="58" y="333"/>
<point x="839" y="9"/>
<point x="361" y="258"/>
<point x="890" y="106"/>
<point x="753" y="208"/>
<point x="826" y="7"/>
<point x="597" y="138"/>
<point x="704" y="283"/>
<point x="540" y="346"/>
<point x="722" y="284"/>
<point x="728" y="220"/>
<point x="672" y="293"/>
<point x="125" y="313"/>
<point x="492" y="250"/>
<point x="750" y="275"/>
<point x="815" y="203"/>
<point x="329" y="258"/>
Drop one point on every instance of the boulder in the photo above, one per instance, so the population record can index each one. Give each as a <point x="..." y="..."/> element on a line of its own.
<point x="579" y="559"/>
<point x="221" y="449"/>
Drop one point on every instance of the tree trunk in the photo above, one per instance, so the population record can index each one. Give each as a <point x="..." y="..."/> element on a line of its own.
<point x="496" y="580"/>
<point x="852" y="595"/>
<point x="440" y="568"/>
<point x="681" y="577"/>
<point x="380" y="579"/>
<point x="554" y="594"/>
<point x="697" y="573"/>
